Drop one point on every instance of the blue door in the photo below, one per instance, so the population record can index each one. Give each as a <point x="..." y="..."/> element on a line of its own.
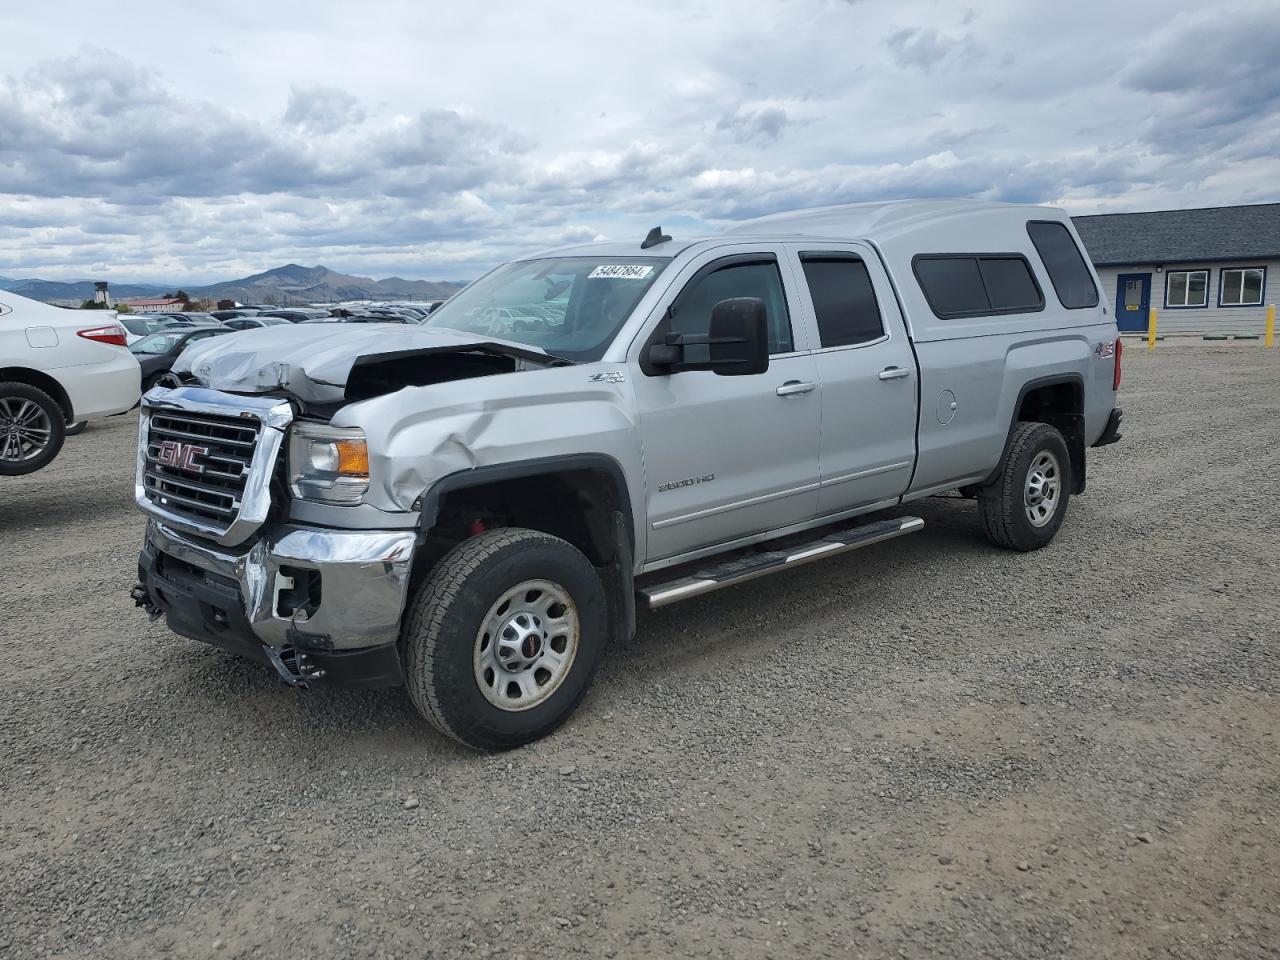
<point x="1133" y="300"/>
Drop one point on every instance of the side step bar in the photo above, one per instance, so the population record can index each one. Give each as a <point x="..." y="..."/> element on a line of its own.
<point x="740" y="569"/>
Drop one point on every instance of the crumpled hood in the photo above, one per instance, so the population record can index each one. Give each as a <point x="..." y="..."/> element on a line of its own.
<point x="309" y="360"/>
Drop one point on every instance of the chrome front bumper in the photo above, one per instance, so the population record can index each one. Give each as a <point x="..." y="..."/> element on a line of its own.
<point x="362" y="588"/>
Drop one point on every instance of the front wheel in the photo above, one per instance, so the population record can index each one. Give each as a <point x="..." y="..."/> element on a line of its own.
<point x="504" y="637"/>
<point x="75" y="429"/>
<point x="1024" y="506"/>
<point x="32" y="429"/>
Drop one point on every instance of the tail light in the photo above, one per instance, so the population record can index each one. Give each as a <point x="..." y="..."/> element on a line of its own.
<point x="1115" y="380"/>
<point x="110" y="334"/>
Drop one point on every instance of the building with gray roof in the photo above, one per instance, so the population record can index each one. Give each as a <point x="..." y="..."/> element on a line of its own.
<point x="1211" y="270"/>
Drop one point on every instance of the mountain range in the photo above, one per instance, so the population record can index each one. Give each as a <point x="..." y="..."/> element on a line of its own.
<point x="288" y="284"/>
<point x="51" y="290"/>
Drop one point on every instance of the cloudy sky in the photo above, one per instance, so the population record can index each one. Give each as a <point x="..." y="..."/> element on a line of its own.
<point x="145" y="140"/>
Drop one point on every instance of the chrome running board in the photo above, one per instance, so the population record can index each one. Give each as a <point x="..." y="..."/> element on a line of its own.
<point x="742" y="568"/>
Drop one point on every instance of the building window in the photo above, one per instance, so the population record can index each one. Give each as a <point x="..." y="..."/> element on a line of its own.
<point x="960" y="285"/>
<point x="1187" y="288"/>
<point x="1241" y="287"/>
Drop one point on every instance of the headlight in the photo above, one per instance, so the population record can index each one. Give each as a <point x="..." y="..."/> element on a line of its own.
<point x="328" y="463"/>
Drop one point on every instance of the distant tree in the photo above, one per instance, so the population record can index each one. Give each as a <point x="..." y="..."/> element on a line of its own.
<point x="122" y="307"/>
<point x="271" y="299"/>
<point x="93" y="305"/>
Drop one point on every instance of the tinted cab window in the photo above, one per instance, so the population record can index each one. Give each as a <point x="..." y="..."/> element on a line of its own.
<point x="759" y="279"/>
<point x="844" y="302"/>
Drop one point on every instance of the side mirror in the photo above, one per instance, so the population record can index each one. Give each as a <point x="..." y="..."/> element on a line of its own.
<point x="739" y="337"/>
<point x="737" y="345"/>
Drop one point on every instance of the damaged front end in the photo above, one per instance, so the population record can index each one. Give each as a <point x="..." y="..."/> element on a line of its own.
<point x="285" y="496"/>
<point x="311" y="604"/>
<point x="321" y="368"/>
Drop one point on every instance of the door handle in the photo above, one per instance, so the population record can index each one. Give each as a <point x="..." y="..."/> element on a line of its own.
<point x="794" y="387"/>
<point x="894" y="373"/>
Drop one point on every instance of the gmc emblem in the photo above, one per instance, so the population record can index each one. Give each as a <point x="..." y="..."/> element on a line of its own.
<point x="180" y="456"/>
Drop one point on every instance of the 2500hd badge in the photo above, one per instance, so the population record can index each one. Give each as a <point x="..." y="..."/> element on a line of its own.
<point x="692" y="481"/>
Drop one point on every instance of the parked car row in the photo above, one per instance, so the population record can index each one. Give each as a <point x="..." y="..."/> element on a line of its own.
<point x="255" y="317"/>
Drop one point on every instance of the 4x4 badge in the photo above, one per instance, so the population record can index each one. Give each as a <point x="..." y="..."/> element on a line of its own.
<point x="612" y="376"/>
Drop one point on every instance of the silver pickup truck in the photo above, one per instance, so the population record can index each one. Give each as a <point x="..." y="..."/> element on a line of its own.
<point x="471" y="508"/>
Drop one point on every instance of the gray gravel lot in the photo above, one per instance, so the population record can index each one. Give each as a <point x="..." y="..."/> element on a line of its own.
<point x="926" y="749"/>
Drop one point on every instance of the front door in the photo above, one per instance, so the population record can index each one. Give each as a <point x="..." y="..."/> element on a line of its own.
<point x="727" y="457"/>
<point x="1133" y="300"/>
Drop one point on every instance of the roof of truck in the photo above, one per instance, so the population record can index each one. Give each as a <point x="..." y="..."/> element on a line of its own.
<point x="886" y="220"/>
<point x="618" y="248"/>
<point x="889" y="218"/>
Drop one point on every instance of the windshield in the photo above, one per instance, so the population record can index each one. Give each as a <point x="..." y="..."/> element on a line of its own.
<point x="158" y="343"/>
<point x="570" y="307"/>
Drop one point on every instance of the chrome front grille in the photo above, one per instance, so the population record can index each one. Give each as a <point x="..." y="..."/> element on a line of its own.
<point x="198" y="464"/>
<point x="206" y="460"/>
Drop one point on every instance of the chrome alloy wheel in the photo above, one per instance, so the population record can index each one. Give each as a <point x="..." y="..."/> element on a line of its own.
<point x="1043" y="489"/>
<point x="526" y="645"/>
<point x="25" y="429"/>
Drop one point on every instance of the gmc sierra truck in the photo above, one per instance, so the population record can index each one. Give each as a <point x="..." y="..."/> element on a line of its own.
<point x="473" y="507"/>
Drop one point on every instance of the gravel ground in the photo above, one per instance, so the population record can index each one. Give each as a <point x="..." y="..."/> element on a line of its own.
<point x="926" y="749"/>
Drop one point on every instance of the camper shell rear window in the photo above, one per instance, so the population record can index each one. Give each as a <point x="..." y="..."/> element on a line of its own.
<point x="1064" y="264"/>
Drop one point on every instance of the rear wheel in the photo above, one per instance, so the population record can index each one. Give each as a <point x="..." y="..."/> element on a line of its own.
<point x="75" y="429"/>
<point x="1025" y="505"/>
<point x="32" y="428"/>
<point x="503" y="638"/>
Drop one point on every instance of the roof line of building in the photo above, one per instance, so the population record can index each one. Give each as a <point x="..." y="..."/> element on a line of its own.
<point x="1142" y="213"/>
<point x="1182" y="261"/>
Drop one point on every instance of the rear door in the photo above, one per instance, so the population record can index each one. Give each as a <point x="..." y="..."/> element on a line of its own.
<point x="728" y="457"/>
<point x="867" y="373"/>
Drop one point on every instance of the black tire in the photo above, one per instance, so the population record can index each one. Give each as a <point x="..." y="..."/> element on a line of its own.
<point x="441" y="635"/>
<point x="75" y="429"/>
<point x="13" y="398"/>
<point x="1004" y="504"/>
<point x="151" y="381"/>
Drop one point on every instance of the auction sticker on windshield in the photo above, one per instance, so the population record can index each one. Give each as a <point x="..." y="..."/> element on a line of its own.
<point x="621" y="271"/>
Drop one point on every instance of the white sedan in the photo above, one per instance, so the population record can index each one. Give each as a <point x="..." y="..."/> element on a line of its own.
<point x="57" y="367"/>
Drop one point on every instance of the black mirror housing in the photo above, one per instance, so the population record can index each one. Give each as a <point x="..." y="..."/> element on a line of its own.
<point x="739" y="337"/>
<point x="737" y="345"/>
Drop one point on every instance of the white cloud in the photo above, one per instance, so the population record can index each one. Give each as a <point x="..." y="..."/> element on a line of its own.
<point x="321" y="109"/>
<point x="429" y="141"/>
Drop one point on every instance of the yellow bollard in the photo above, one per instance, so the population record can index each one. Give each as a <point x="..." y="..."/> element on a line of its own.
<point x="1270" y="338"/>
<point x="1151" y="330"/>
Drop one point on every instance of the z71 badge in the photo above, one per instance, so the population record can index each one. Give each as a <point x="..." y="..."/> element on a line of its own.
<point x="613" y="376"/>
